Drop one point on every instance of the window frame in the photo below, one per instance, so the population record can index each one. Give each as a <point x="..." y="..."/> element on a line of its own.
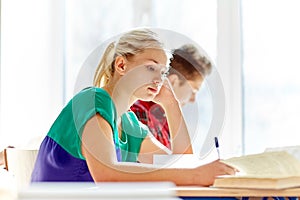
<point x="229" y="65"/>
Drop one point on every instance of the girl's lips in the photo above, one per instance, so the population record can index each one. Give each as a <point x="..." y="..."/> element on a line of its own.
<point x="153" y="90"/>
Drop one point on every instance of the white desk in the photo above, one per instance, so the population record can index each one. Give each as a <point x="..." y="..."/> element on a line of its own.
<point x="89" y="191"/>
<point x="143" y="191"/>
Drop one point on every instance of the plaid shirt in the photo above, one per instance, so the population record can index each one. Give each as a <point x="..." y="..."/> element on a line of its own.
<point x="153" y="115"/>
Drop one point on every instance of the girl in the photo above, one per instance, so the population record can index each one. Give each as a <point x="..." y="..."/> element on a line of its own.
<point x="94" y="136"/>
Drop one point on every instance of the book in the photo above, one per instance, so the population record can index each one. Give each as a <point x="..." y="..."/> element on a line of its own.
<point x="267" y="170"/>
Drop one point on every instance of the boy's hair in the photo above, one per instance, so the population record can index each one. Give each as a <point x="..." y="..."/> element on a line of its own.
<point x="129" y="44"/>
<point x="188" y="63"/>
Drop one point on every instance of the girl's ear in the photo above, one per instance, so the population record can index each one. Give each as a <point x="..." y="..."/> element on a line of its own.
<point x="174" y="80"/>
<point x="120" y="66"/>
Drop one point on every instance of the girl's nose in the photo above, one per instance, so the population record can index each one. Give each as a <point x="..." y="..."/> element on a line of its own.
<point x="158" y="83"/>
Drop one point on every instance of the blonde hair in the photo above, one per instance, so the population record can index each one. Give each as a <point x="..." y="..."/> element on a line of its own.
<point x="129" y="44"/>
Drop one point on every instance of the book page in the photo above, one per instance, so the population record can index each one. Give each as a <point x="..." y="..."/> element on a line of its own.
<point x="267" y="164"/>
<point x="293" y="150"/>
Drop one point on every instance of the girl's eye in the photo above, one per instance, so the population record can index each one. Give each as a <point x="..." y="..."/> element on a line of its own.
<point x="150" y="68"/>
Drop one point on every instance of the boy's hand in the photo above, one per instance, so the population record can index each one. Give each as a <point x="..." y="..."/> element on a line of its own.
<point x="166" y="94"/>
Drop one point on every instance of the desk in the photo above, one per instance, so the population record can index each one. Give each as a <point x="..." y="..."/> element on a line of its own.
<point x="194" y="191"/>
<point x="140" y="190"/>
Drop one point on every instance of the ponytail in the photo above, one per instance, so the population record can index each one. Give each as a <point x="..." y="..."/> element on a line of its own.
<point x="105" y="68"/>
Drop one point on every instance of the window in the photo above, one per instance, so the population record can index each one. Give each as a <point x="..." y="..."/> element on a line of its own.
<point x="31" y="69"/>
<point x="271" y="73"/>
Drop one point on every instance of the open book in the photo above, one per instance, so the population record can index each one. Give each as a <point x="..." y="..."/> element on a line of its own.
<point x="268" y="170"/>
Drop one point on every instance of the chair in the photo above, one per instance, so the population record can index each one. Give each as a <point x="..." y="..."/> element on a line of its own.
<point x="20" y="163"/>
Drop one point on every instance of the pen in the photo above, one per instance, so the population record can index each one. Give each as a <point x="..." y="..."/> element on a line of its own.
<point x="217" y="146"/>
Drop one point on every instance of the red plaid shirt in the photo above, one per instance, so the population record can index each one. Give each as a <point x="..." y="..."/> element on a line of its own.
<point x="153" y="115"/>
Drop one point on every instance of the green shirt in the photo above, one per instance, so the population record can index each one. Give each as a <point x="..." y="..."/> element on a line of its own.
<point x="68" y="127"/>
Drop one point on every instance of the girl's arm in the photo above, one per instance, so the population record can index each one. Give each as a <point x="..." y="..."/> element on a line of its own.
<point x="99" y="151"/>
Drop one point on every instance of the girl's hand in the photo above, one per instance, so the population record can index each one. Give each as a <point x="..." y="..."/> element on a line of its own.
<point x="206" y="174"/>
